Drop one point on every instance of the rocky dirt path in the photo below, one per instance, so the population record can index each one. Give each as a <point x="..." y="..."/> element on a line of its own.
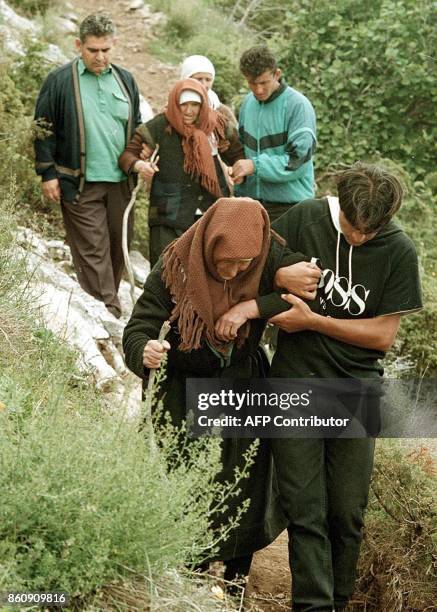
<point x="269" y="584"/>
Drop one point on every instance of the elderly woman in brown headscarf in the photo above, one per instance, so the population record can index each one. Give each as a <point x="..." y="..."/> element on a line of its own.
<point x="188" y="176"/>
<point x="228" y="257"/>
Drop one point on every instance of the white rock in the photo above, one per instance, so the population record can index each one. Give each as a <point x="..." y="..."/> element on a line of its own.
<point x="145" y="12"/>
<point x="15" y="21"/>
<point x="135" y="5"/>
<point x="58" y="250"/>
<point x="65" y="25"/>
<point x="54" y="55"/>
<point x="125" y="299"/>
<point x="71" y="16"/>
<point x="127" y="397"/>
<point x="81" y="321"/>
<point x="13" y="29"/>
<point x="140" y="266"/>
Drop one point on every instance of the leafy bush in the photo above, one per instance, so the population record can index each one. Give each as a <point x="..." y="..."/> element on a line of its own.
<point x="84" y="503"/>
<point x="368" y="70"/>
<point x="21" y="79"/>
<point x="418" y="332"/>
<point x="397" y="567"/>
<point x="32" y="7"/>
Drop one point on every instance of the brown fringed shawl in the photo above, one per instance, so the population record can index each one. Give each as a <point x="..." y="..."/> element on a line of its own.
<point x="198" y="159"/>
<point x="233" y="228"/>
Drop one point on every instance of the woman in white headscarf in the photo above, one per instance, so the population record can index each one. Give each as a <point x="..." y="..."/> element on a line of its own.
<point x="202" y="69"/>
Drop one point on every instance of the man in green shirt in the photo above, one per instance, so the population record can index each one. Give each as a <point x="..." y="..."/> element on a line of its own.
<point x="92" y="109"/>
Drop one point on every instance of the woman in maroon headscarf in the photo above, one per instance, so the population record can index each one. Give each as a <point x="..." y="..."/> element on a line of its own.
<point x="188" y="176"/>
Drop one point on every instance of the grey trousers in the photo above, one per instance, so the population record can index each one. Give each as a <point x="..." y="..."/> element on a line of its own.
<point x="94" y="234"/>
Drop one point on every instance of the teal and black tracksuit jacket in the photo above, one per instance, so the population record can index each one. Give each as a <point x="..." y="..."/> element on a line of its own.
<point x="279" y="136"/>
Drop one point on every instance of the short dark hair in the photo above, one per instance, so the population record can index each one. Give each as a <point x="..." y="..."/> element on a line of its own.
<point x="96" y="25"/>
<point x="369" y="196"/>
<point x="257" y="60"/>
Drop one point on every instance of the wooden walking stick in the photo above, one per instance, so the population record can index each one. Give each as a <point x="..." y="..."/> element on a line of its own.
<point x="124" y="245"/>
<point x="146" y="423"/>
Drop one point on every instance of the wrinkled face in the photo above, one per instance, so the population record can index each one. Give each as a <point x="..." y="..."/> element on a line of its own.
<point x="95" y="52"/>
<point x="355" y="237"/>
<point x="190" y="112"/>
<point x="205" y="78"/>
<point x="228" y="269"/>
<point x="265" y="84"/>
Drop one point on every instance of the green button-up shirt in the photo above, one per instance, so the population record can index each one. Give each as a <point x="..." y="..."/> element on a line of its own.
<point x="106" y="112"/>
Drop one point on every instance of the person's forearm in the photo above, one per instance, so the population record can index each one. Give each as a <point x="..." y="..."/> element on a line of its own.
<point x="131" y="154"/>
<point x="377" y="333"/>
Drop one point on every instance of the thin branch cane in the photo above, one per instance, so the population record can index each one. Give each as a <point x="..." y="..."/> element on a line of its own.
<point x="147" y="415"/>
<point x="124" y="245"/>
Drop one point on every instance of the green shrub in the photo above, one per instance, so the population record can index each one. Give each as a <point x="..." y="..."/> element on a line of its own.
<point x="209" y="33"/>
<point x="21" y="79"/>
<point x="368" y="71"/>
<point x="84" y="503"/>
<point x="397" y="567"/>
<point x="32" y="7"/>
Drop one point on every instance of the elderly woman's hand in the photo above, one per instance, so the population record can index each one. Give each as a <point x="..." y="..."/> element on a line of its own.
<point x="146" y="169"/>
<point x="227" y="326"/>
<point x="146" y="152"/>
<point x="153" y="353"/>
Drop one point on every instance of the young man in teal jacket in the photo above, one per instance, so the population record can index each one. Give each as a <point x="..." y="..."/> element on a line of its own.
<point x="277" y="127"/>
<point x="91" y="108"/>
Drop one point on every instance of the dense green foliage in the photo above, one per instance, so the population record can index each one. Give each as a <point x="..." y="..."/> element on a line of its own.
<point x="397" y="568"/>
<point x="368" y="70"/>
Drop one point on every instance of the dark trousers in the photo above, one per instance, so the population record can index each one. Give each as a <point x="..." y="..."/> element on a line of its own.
<point x="160" y="236"/>
<point x="323" y="485"/>
<point x="276" y="209"/>
<point x="94" y="233"/>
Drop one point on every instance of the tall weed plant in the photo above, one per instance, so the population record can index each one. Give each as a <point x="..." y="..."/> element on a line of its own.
<point x="84" y="504"/>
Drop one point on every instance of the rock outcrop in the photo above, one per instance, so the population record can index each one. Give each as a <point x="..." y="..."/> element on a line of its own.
<point x="80" y="320"/>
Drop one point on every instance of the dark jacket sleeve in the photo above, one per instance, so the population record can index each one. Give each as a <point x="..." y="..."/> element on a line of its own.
<point x="131" y="154"/>
<point x="136" y="104"/>
<point x="151" y="310"/>
<point x="280" y="256"/>
<point x="45" y="146"/>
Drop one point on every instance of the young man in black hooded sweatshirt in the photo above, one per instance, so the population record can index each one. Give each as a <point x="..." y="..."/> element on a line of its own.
<point x="369" y="280"/>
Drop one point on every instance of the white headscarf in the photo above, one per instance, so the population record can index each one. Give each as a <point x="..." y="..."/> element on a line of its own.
<point x="196" y="63"/>
<point x="199" y="63"/>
